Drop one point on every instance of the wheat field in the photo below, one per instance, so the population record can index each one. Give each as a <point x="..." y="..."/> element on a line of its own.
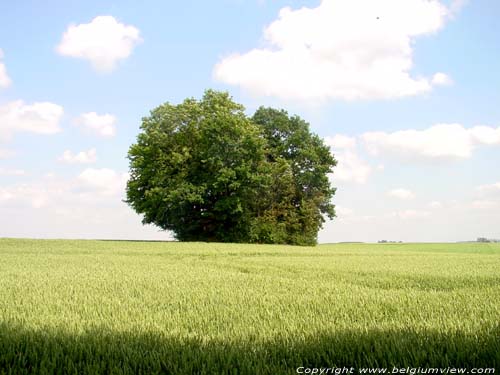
<point x="125" y="307"/>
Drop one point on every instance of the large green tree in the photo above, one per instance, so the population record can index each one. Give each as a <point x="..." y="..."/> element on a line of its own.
<point x="309" y="160"/>
<point x="207" y="172"/>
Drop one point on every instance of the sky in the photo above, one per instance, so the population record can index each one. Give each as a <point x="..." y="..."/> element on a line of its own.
<point x="405" y="93"/>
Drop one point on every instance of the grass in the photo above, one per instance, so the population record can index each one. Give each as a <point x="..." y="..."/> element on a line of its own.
<point x="117" y="307"/>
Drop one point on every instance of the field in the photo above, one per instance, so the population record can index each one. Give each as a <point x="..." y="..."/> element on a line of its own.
<point x="117" y="307"/>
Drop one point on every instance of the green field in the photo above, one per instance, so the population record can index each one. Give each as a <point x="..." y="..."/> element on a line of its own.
<point x="148" y="307"/>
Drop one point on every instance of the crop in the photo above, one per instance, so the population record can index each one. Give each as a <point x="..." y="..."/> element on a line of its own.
<point x="124" y="307"/>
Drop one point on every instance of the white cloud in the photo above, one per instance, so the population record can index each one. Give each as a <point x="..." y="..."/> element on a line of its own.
<point x="390" y="216"/>
<point x="5" y="195"/>
<point x="485" y="135"/>
<point x="4" y="153"/>
<point x="351" y="168"/>
<point x="101" y="125"/>
<point x="403" y="194"/>
<point x="40" y="118"/>
<point x="104" y="41"/>
<point x="57" y="207"/>
<point x="489" y="188"/>
<point x="485" y="204"/>
<point x="92" y="186"/>
<point x="411" y="214"/>
<point x="342" y="211"/>
<point x="342" y="49"/>
<point x="12" y="172"/>
<point x="439" y="142"/>
<point x="103" y="181"/>
<point x="5" y="81"/>
<point x="435" y="205"/>
<point x="32" y="195"/>
<point x="457" y="5"/>
<point x="341" y="142"/>
<point x="441" y="79"/>
<point x="83" y="157"/>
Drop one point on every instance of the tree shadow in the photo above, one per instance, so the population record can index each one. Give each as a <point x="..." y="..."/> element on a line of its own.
<point x="24" y="351"/>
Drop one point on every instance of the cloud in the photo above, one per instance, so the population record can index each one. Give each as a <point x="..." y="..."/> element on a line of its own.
<point x="341" y="142"/>
<point x="342" y="49"/>
<point x="411" y="214"/>
<point x="485" y="135"/>
<point x="489" y="188"/>
<point x="485" y="205"/>
<point x="5" y="81"/>
<point x="403" y="194"/>
<point x="12" y="172"/>
<point x="83" y="157"/>
<point x="91" y="186"/>
<point x="101" y="125"/>
<point x="4" y="153"/>
<point x="350" y="167"/>
<point x="389" y="216"/>
<point x="39" y="118"/>
<point x="441" y="79"/>
<point x="66" y="207"/>
<point x="102" y="181"/>
<point x="26" y="194"/>
<point x="103" y="42"/>
<point x="342" y="211"/>
<point x="435" y="205"/>
<point x="439" y="142"/>
<point x="457" y="5"/>
<point x="5" y="195"/>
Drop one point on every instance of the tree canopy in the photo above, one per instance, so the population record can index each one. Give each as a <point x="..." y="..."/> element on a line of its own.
<point x="206" y="171"/>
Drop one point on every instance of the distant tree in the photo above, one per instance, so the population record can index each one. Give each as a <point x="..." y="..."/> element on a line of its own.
<point x="207" y="172"/>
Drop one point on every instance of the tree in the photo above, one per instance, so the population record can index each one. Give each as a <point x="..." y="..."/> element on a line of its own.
<point x="289" y="140"/>
<point x="207" y="172"/>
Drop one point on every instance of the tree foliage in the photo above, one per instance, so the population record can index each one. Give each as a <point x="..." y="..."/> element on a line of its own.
<point x="207" y="172"/>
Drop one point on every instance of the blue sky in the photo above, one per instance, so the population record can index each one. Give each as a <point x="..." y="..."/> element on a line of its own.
<point x="404" y="91"/>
